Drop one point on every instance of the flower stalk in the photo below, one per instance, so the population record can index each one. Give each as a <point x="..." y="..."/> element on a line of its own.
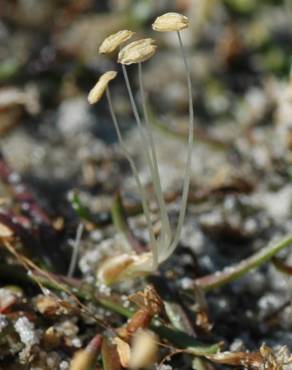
<point x="187" y="176"/>
<point x="137" y="52"/>
<point x="166" y="231"/>
<point x="134" y="169"/>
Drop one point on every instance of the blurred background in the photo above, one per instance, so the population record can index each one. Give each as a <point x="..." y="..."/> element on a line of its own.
<point x="240" y="58"/>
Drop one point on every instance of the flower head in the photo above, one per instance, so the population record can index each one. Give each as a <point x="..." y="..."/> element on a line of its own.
<point x="112" y="42"/>
<point x="170" y="22"/>
<point x="137" y="51"/>
<point x="127" y="265"/>
<point x="98" y="90"/>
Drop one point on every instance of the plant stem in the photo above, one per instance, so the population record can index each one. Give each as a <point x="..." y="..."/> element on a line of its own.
<point x="187" y="176"/>
<point x="166" y="231"/>
<point x="234" y="272"/>
<point x="134" y="170"/>
<point x="145" y="149"/>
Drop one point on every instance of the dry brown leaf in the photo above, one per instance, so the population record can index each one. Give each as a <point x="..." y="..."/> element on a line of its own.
<point x="148" y="299"/>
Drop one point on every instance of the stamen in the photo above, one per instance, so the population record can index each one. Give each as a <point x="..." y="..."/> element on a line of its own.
<point x="156" y="178"/>
<point x="187" y="176"/>
<point x="145" y="206"/>
<point x="144" y="140"/>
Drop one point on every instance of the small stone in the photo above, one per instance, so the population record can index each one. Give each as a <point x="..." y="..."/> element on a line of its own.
<point x="26" y="331"/>
<point x="73" y="116"/>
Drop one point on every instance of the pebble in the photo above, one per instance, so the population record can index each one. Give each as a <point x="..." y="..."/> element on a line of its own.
<point x="26" y="331"/>
<point x="73" y="116"/>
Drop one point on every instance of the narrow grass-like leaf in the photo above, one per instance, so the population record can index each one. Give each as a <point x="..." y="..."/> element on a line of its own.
<point x="236" y="271"/>
<point x="82" y="211"/>
<point x="120" y="221"/>
<point x="186" y="342"/>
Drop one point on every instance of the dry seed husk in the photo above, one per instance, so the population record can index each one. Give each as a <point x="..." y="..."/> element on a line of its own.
<point x="113" y="268"/>
<point x="170" y="22"/>
<point x="112" y="42"/>
<point x="82" y="360"/>
<point x="98" y="90"/>
<point x="124" y="266"/>
<point x="137" y="51"/>
<point x="144" y="349"/>
<point x="85" y="358"/>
